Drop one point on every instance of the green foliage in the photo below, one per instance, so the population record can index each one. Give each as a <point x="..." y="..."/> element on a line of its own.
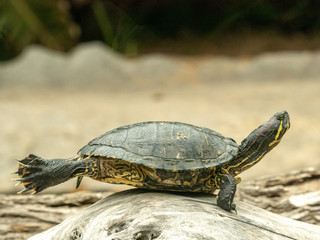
<point x="128" y="26"/>
<point x="35" y="21"/>
<point x="118" y="30"/>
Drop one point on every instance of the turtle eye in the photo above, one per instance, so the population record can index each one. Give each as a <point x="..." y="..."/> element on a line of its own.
<point x="281" y="117"/>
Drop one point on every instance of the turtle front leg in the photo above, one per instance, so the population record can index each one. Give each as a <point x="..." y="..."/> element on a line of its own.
<point x="227" y="185"/>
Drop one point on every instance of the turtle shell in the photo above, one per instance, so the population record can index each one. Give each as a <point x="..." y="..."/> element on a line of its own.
<point x="164" y="145"/>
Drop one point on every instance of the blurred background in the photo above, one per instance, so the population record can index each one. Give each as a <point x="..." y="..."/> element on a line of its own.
<point x="72" y="70"/>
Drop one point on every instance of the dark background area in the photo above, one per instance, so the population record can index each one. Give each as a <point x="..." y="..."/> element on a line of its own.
<point x="136" y="27"/>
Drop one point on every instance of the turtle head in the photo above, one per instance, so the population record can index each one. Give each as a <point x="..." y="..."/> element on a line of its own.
<point x="261" y="141"/>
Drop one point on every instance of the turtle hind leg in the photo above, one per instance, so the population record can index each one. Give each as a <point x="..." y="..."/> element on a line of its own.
<point x="37" y="174"/>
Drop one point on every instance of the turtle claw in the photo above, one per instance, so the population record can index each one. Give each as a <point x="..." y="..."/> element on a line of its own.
<point x="233" y="208"/>
<point x="18" y="179"/>
<point x="28" y="188"/>
<point x="23" y="191"/>
<point x="79" y="179"/>
<point x="23" y="164"/>
<point x="17" y="184"/>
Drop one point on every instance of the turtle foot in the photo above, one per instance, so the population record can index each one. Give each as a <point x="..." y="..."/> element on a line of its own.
<point x="226" y="205"/>
<point x="28" y="171"/>
<point x="37" y="174"/>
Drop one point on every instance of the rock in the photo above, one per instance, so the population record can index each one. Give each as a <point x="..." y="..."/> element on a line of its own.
<point x="94" y="65"/>
<point x="91" y="65"/>
<point x="265" y="67"/>
<point x="35" y="67"/>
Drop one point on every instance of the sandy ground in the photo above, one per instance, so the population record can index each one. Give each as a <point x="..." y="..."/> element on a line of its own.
<point x="56" y="123"/>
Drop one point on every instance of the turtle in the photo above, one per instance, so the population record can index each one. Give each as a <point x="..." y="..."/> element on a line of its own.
<point x="161" y="155"/>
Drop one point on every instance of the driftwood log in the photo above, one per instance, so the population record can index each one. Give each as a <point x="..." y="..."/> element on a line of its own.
<point x="144" y="215"/>
<point x="139" y="214"/>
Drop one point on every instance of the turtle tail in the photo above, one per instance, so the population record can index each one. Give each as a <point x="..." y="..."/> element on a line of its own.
<point x="37" y="174"/>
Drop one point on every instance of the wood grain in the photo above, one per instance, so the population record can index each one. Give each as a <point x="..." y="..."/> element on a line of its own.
<point x="139" y="214"/>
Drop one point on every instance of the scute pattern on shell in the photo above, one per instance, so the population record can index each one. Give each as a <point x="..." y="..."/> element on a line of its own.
<point x="164" y="145"/>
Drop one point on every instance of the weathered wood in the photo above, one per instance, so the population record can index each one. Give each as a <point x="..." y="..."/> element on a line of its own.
<point x="295" y="195"/>
<point x="142" y="214"/>
<point x="22" y="216"/>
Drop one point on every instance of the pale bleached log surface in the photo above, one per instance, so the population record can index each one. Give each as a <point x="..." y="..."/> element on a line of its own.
<point x="294" y="195"/>
<point x="142" y="214"/>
